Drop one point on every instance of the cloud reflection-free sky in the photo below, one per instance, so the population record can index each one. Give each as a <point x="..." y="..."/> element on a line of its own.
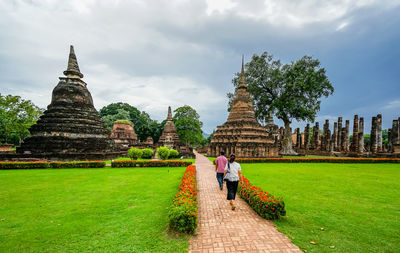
<point x="152" y="54"/>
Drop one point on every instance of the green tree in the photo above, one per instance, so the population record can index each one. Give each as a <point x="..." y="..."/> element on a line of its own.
<point x="143" y="124"/>
<point x="290" y="91"/>
<point x="16" y="116"/>
<point x="111" y="118"/>
<point x="188" y="125"/>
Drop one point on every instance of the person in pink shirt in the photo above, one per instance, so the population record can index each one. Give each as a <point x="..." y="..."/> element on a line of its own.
<point x="220" y="164"/>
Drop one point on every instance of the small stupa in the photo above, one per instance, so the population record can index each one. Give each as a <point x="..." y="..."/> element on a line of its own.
<point x="70" y="128"/>
<point x="169" y="136"/>
<point x="123" y="134"/>
<point x="242" y="134"/>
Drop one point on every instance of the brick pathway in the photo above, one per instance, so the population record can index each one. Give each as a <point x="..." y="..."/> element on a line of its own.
<point x="223" y="230"/>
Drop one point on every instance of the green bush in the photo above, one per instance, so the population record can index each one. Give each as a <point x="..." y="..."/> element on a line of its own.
<point x="173" y="153"/>
<point x="147" y="153"/>
<point x="54" y="165"/>
<point x="135" y="163"/>
<point x="134" y="153"/>
<point x="163" y="153"/>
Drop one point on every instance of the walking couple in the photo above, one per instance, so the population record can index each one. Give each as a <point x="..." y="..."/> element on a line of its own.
<point x="230" y="172"/>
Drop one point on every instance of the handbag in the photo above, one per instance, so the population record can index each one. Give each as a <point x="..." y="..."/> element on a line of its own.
<point x="226" y="175"/>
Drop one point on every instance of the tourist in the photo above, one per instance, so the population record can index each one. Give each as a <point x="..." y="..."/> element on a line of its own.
<point x="220" y="164"/>
<point x="232" y="174"/>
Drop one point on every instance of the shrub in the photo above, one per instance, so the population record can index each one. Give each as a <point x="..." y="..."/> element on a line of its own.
<point x="135" y="163"/>
<point x="54" y="165"/>
<point x="134" y="153"/>
<point x="173" y="153"/>
<point x="183" y="212"/>
<point x="81" y="164"/>
<point x="147" y="153"/>
<point x="265" y="204"/>
<point x="23" y="165"/>
<point x="163" y="153"/>
<point x="124" y="121"/>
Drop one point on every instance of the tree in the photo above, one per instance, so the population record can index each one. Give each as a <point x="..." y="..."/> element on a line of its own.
<point x="188" y="125"/>
<point x="143" y="124"/>
<point x="290" y="91"/>
<point x="121" y="114"/>
<point x="16" y="116"/>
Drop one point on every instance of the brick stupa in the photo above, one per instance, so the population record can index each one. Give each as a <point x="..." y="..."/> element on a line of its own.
<point x="169" y="136"/>
<point x="242" y="134"/>
<point x="123" y="134"/>
<point x="70" y="128"/>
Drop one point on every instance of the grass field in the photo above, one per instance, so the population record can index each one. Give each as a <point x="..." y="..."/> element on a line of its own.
<point x="88" y="210"/>
<point x="358" y="205"/>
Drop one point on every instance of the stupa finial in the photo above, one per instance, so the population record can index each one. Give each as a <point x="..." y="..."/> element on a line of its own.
<point x="242" y="81"/>
<point x="169" y="113"/>
<point x="73" y="67"/>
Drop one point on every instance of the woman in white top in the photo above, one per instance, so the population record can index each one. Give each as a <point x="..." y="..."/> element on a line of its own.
<point x="232" y="174"/>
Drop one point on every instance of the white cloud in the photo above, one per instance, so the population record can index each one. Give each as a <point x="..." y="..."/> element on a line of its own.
<point x="395" y="104"/>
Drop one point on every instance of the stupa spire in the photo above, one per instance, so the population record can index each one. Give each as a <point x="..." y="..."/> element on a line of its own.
<point x="169" y="113"/>
<point x="242" y="81"/>
<point x="73" y="67"/>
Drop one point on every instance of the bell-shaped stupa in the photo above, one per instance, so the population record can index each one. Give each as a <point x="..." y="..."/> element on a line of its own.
<point x="169" y="136"/>
<point x="70" y="128"/>
<point x="242" y="134"/>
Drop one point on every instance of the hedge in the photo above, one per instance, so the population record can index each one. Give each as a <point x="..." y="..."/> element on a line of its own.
<point x="54" y="165"/>
<point x="160" y="163"/>
<point x="183" y="212"/>
<point x="318" y="160"/>
<point x="265" y="204"/>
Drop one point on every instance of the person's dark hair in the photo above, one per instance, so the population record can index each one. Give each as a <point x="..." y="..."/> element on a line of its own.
<point x="222" y="153"/>
<point x="232" y="155"/>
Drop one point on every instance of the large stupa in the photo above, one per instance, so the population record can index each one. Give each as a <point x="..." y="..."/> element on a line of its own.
<point x="242" y="134"/>
<point x="70" y="128"/>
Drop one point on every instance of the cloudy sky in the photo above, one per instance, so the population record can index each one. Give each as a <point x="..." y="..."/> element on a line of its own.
<point x="152" y="54"/>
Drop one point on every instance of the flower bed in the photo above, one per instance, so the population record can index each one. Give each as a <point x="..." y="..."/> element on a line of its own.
<point x="23" y="165"/>
<point x="81" y="164"/>
<point x="183" y="211"/>
<point x="318" y="160"/>
<point x="54" y="165"/>
<point x="161" y="163"/>
<point x="265" y="204"/>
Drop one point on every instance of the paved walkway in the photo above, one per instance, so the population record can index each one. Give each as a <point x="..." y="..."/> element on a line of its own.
<point x="223" y="230"/>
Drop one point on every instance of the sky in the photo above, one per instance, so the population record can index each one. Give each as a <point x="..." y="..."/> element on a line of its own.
<point x="155" y="54"/>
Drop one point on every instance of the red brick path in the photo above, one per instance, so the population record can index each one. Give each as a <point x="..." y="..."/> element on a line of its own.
<point x="223" y="230"/>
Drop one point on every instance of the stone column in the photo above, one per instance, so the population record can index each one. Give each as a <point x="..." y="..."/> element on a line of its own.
<point x="298" y="137"/>
<point x="373" y="137"/>
<point x="334" y="136"/>
<point x="379" y="132"/>
<point x="339" y="143"/>
<point x="389" y="140"/>
<point x="354" y="144"/>
<point x="361" y="136"/>
<point x="315" y="137"/>
<point x="394" y="135"/>
<point x="307" y="137"/>
<point x="346" y="137"/>
<point x="325" y="140"/>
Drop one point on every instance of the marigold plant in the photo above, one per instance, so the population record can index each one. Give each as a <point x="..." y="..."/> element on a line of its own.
<point x="265" y="204"/>
<point x="184" y="209"/>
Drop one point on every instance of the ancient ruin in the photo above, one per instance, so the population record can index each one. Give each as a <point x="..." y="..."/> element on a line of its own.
<point x="123" y="134"/>
<point x="169" y="136"/>
<point x="70" y="128"/>
<point x="242" y="134"/>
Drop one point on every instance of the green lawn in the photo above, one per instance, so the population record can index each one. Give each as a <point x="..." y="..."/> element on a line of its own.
<point x="88" y="210"/>
<point x="358" y="205"/>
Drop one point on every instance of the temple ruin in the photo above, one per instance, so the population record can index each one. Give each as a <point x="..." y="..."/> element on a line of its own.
<point x="70" y="128"/>
<point x="123" y="134"/>
<point x="242" y="134"/>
